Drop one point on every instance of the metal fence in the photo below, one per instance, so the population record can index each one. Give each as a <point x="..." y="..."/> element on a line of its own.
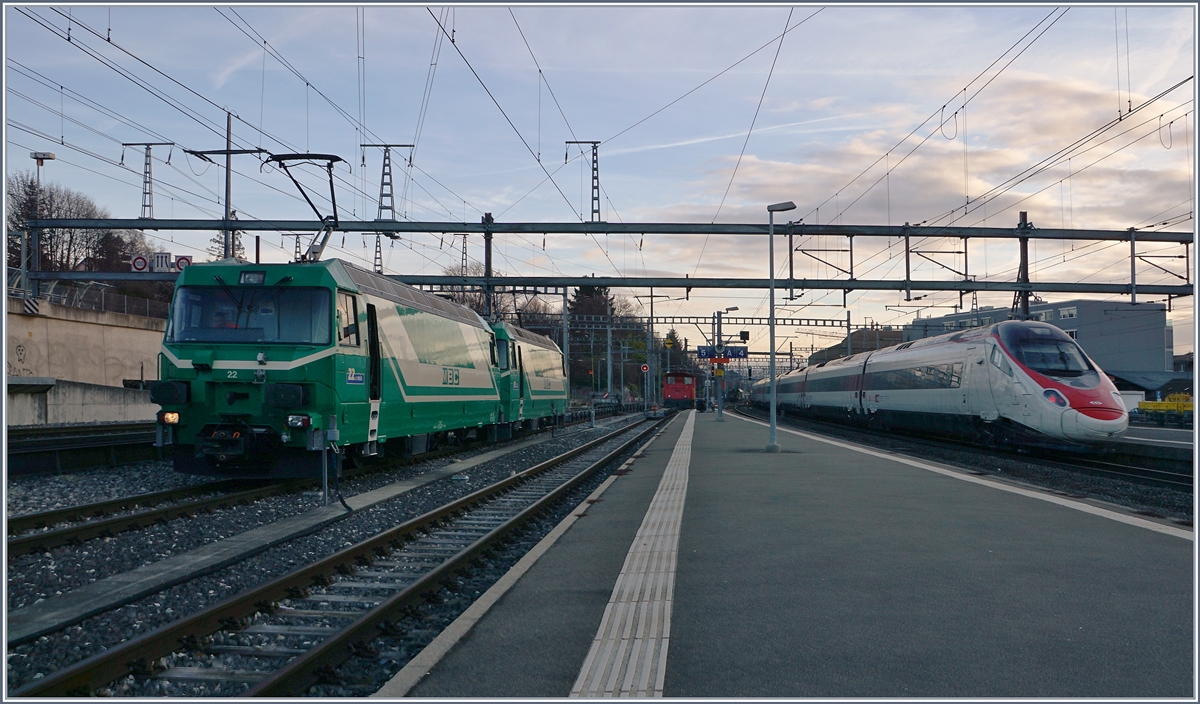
<point x="89" y="298"/>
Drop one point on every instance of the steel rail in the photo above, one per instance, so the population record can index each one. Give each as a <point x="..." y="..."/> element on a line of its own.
<point x="92" y="528"/>
<point x="307" y="669"/>
<point x="106" y="527"/>
<point x="139" y="654"/>
<point x="37" y="438"/>
<point x="1166" y="478"/>
<point x="44" y="438"/>
<point x="42" y="519"/>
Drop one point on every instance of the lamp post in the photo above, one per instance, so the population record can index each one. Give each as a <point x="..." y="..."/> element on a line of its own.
<point x="772" y="443"/>
<point x="36" y="254"/>
<point x="721" y="352"/>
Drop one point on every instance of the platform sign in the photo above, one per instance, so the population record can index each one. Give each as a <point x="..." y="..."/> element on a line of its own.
<point x="737" y="352"/>
<point x="706" y="351"/>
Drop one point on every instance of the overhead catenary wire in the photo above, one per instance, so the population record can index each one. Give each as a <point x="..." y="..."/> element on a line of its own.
<point x="715" y="77"/>
<point x="521" y="137"/>
<point x="939" y="111"/>
<point x="177" y="105"/>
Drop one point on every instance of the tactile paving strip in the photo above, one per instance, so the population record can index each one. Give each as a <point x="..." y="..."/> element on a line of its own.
<point x="628" y="657"/>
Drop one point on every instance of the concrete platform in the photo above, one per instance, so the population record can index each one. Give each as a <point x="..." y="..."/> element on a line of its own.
<point x="830" y="570"/>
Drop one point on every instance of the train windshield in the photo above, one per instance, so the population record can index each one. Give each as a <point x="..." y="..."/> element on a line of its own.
<point x="297" y="316"/>
<point x="1045" y="349"/>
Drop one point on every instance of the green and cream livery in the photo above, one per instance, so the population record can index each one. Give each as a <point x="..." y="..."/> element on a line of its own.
<point x="259" y="360"/>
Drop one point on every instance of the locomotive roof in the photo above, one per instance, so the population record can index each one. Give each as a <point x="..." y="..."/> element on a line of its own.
<point x="345" y="275"/>
<point x="396" y="292"/>
<point x="526" y="335"/>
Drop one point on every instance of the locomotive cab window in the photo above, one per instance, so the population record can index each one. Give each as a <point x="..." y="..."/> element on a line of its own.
<point x="347" y="320"/>
<point x="1047" y="350"/>
<point x="1000" y="362"/>
<point x="502" y="353"/>
<point x="271" y="314"/>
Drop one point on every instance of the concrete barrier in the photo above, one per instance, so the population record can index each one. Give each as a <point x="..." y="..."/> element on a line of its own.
<point x="49" y="401"/>
<point x="76" y="344"/>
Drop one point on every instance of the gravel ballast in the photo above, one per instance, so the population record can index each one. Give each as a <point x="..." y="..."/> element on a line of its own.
<point x="46" y="574"/>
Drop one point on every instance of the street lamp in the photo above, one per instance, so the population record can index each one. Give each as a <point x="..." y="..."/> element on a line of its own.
<point x="772" y="443"/>
<point x="721" y="352"/>
<point x="36" y="254"/>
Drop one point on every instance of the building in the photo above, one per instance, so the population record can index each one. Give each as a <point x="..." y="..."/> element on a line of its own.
<point x="875" y="337"/>
<point x="1118" y="336"/>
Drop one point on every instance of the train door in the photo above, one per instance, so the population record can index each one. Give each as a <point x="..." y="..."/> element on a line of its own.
<point x="521" y="371"/>
<point x="508" y="383"/>
<point x="1006" y="390"/>
<point x="980" y="401"/>
<point x="520" y="381"/>
<point x="375" y="382"/>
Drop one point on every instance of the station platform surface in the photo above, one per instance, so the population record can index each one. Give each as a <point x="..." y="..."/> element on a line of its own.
<point x="832" y="570"/>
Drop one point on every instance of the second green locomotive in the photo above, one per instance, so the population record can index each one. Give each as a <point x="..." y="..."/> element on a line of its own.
<point x="259" y="361"/>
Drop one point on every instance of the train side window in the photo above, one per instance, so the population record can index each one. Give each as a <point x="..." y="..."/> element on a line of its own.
<point x="1000" y="362"/>
<point x="347" y="320"/>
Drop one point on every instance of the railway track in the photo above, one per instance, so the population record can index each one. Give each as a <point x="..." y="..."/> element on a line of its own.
<point x="57" y="448"/>
<point x="45" y="449"/>
<point x="96" y="520"/>
<point x="282" y="637"/>
<point x="1137" y="465"/>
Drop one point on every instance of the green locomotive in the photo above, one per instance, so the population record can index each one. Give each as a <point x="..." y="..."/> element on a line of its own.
<point x="261" y="361"/>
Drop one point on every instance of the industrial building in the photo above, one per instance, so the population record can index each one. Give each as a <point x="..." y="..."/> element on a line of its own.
<point x="1118" y="336"/>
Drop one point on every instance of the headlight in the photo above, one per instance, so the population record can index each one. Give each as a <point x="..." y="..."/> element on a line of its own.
<point x="299" y="421"/>
<point x="1056" y="398"/>
<point x="168" y="417"/>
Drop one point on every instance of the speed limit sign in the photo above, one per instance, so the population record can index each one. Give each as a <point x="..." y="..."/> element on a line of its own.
<point x="139" y="262"/>
<point x="183" y="260"/>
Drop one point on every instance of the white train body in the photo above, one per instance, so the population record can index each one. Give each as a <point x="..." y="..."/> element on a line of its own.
<point x="1023" y="382"/>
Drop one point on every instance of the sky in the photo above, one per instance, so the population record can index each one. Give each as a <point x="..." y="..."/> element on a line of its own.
<point x="861" y="115"/>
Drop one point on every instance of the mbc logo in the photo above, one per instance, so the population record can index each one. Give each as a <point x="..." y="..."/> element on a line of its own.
<point x="449" y="377"/>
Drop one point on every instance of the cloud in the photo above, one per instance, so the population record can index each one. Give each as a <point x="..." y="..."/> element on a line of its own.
<point x="234" y="65"/>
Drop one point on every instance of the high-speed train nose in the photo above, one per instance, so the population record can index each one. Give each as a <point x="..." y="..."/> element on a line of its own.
<point x="1094" y="423"/>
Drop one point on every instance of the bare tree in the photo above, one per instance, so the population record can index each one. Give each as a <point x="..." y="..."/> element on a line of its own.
<point x="472" y="297"/>
<point x="65" y="249"/>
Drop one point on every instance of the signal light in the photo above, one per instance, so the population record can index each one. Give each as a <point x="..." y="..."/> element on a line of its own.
<point x="1056" y="398"/>
<point x="299" y="421"/>
<point x="645" y="367"/>
<point x="168" y="417"/>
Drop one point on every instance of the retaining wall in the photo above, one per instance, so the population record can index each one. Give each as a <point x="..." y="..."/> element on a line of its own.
<point x="79" y="345"/>
<point x="42" y="401"/>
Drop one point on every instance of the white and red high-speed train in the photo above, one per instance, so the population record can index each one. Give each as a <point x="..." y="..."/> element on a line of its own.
<point x="1019" y="382"/>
